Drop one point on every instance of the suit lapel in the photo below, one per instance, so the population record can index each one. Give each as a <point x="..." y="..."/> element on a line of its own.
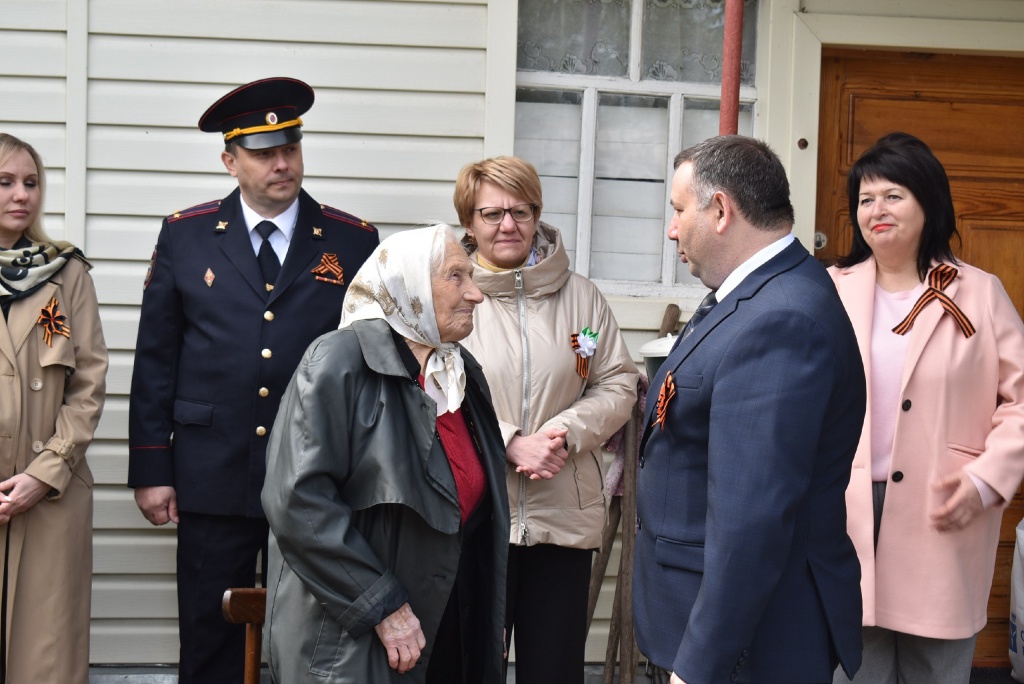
<point x="783" y="261"/>
<point x="7" y="343"/>
<point x="302" y="248"/>
<point x="856" y="288"/>
<point x="924" y="327"/>
<point x="24" y="318"/>
<point x="234" y="241"/>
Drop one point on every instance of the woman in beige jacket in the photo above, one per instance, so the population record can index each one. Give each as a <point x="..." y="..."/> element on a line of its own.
<point x="562" y="382"/>
<point x="53" y="362"/>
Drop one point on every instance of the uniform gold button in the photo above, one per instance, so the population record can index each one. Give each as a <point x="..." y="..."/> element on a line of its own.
<point x="267" y="353"/>
<point x="264" y="392"/>
<point x="261" y="431"/>
<point x="36" y="384"/>
<point x="268" y="315"/>
<point x="37" y="447"/>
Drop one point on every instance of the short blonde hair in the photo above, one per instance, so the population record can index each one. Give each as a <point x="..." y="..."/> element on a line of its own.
<point x="9" y="145"/>
<point x="511" y="174"/>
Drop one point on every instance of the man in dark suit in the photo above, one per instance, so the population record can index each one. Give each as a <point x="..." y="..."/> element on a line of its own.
<point x="236" y="291"/>
<point x="744" y="571"/>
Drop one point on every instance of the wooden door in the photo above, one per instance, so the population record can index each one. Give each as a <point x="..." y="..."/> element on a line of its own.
<point x="970" y="111"/>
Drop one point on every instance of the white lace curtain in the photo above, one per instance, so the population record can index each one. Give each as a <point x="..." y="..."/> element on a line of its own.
<point x="682" y="39"/>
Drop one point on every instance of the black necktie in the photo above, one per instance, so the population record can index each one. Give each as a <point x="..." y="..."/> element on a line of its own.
<point x="703" y="309"/>
<point x="269" y="264"/>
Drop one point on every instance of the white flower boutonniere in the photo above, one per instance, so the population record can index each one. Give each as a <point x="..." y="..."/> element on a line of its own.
<point x="584" y="343"/>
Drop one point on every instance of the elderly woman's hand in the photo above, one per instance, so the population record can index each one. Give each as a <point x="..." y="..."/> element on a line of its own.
<point x="960" y="508"/>
<point x="402" y="638"/>
<point x="18" y="494"/>
<point x="540" y="455"/>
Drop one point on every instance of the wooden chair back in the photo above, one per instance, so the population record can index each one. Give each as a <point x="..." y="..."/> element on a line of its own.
<point x="247" y="606"/>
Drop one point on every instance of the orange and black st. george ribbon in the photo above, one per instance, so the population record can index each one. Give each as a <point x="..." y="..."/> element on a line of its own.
<point x="938" y="280"/>
<point x="582" y="362"/>
<point x="665" y="394"/>
<point x="53" y="322"/>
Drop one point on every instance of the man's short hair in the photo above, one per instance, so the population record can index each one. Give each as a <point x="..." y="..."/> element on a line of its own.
<point x="748" y="171"/>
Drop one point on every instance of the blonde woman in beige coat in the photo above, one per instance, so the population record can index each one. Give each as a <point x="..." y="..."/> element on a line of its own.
<point x="53" y="361"/>
<point x="562" y="382"/>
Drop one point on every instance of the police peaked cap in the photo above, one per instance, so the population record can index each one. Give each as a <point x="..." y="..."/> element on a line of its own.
<point x="260" y="114"/>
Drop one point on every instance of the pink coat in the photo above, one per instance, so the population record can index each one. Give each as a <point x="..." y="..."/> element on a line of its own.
<point x="961" y="406"/>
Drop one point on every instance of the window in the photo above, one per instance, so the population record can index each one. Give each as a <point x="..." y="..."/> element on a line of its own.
<point x="608" y="92"/>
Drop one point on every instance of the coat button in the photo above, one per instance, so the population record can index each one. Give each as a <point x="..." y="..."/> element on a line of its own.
<point x="37" y="447"/>
<point x="36" y="384"/>
<point x="897" y="476"/>
<point x="261" y="431"/>
<point x="906" y="404"/>
<point x="264" y="392"/>
<point x="267" y="353"/>
<point x="268" y="315"/>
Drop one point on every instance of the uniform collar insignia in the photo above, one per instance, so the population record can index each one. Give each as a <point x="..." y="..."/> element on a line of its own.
<point x="208" y="278"/>
<point x="318" y="233"/>
<point x="221" y="226"/>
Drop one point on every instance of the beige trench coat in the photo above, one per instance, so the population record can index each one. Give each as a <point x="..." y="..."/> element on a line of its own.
<point x="52" y="399"/>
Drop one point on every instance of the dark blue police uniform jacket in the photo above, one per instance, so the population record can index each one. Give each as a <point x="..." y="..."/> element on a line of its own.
<point x="215" y="350"/>
<point x="744" y="571"/>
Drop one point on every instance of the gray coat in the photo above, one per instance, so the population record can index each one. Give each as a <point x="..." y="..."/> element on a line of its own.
<point x="364" y="514"/>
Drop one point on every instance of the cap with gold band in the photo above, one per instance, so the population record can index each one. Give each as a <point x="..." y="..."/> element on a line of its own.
<point x="260" y="114"/>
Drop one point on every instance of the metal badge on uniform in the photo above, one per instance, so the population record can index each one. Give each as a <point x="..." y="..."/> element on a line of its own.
<point x="329" y="264"/>
<point x="208" y="278"/>
<point x="221" y="226"/>
<point x="318" y="233"/>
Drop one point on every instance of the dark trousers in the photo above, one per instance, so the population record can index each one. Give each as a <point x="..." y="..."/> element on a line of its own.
<point x="546" y="612"/>
<point x="215" y="553"/>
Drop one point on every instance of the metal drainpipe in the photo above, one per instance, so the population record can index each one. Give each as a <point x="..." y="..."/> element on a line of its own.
<point x="732" y="51"/>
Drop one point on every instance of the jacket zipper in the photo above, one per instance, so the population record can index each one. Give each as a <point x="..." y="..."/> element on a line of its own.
<point x="524" y="534"/>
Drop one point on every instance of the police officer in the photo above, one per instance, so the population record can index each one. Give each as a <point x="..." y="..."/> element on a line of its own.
<point x="236" y="290"/>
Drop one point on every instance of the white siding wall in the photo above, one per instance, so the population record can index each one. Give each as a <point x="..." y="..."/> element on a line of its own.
<point x="110" y="91"/>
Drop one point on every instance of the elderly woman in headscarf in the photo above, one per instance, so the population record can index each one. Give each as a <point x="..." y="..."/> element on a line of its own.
<point x="385" y="486"/>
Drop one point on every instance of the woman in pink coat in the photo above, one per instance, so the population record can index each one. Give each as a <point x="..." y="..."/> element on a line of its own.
<point x="942" y="450"/>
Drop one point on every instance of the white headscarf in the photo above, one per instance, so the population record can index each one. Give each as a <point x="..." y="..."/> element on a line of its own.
<point x="394" y="285"/>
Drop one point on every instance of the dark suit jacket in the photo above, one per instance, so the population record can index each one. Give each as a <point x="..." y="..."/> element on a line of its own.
<point x="215" y="351"/>
<point x="744" y="571"/>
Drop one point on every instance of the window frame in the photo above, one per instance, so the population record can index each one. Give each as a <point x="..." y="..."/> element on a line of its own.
<point x="591" y="88"/>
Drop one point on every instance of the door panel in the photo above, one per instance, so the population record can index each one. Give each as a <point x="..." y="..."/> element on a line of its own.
<point x="970" y="111"/>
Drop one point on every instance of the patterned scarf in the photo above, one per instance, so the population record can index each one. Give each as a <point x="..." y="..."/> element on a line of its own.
<point x="28" y="266"/>
<point x="394" y="285"/>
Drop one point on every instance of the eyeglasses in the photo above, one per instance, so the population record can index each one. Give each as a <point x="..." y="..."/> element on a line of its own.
<point x="521" y="213"/>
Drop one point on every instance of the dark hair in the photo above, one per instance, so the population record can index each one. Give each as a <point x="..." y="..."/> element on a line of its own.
<point x="748" y="171"/>
<point x="905" y="160"/>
